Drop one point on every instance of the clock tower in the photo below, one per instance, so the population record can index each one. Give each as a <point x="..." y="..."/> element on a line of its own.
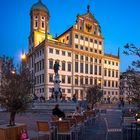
<point x="39" y="17"/>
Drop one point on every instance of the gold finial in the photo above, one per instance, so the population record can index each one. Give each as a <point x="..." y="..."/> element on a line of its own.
<point x="88" y="8"/>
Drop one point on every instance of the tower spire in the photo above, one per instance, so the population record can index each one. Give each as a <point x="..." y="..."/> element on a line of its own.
<point x="88" y="8"/>
<point x="119" y="52"/>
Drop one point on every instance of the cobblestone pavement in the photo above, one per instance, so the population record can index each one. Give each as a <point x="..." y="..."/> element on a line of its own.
<point x="97" y="131"/>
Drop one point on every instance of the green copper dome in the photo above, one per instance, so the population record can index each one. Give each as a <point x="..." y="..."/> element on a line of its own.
<point x="40" y="6"/>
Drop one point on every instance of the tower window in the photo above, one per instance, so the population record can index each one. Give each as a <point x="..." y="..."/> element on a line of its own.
<point x="43" y="24"/>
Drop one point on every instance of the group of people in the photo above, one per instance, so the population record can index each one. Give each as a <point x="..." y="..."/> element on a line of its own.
<point x="59" y="113"/>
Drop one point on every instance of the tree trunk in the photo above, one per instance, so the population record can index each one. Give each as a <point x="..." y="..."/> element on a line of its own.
<point x="12" y="118"/>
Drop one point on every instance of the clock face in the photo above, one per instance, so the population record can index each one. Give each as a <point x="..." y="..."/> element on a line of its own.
<point x="88" y="27"/>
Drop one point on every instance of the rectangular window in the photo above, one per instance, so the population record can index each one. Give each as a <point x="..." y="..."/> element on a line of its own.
<point x="81" y="37"/>
<point x="69" y="67"/>
<point x="63" y="66"/>
<point x="116" y="74"/>
<point x="100" y="43"/>
<point x="91" y="40"/>
<point x="82" y="57"/>
<point x="100" y="61"/>
<point x="116" y="63"/>
<point x="105" y="72"/>
<point x="109" y="62"/>
<point x="76" y="80"/>
<point x="100" y="52"/>
<point x="86" y="80"/>
<point x="81" y="67"/>
<point x="113" y="73"/>
<point x="95" y="50"/>
<point x="95" y="41"/>
<point x="116" y="84"/>
<point x="63" y="78"/>
<point x="95" y="81"/>
<point x="50" y="77"/>
<point x="112" y="63"/>
<point x="63" y="53"/>
<point x="91" y="50"/>
<point x="50" y="64"/>
<point x="95" y="69"/>
<point x="50" y="50"/>
<point x="86" y="58"/>
<point x="86" y="48"/>
<point x="91" y="69"/>
<point x="95" y="60"/>
<point x="105" y="83"/>
<point x="81" y="81"/>
<point x="91" y="81"/>
<point x="109" y="73"/>
<point x="100" y="70"/>
<point x="86" y="68"/>
<point x="42" y="78"/>
<point x="76" y="36"/>
<point x="105" y="61"/>
<point x="81" y="47"/>
<point x="69" y="54"/>
<point x="108" y="83"/>
<point x="57" y="52"/>
<point x="63" y="90"/>
<point x="91" y="59"/>
<point x="76" y="56"/>
<point x="112" y="83"/>
<point x="69" y="79"/>
<point x="86" y="39"/>
<point x="69" y="90"/>
<point x="76" y="66"/>
<point x="76" y="46"/>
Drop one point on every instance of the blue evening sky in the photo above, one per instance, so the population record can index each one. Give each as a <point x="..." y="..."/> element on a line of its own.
<point x="119" y="20"/>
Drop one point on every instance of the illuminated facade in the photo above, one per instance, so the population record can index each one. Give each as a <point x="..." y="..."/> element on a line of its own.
<point x="80" y="52"/>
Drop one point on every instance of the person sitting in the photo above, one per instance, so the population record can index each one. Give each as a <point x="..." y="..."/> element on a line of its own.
<point x="77" y="111"/>
<point x="57" y="112"/>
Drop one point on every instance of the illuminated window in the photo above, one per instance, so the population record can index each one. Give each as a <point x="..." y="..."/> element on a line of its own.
<point x="76" y="80"/>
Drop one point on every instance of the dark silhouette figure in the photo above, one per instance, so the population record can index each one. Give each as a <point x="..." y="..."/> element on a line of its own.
<point x="56" y="67"/>
<point x="57" y="112"/>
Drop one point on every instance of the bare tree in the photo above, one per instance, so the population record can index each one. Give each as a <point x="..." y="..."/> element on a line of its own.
<point x="93" y="95"/>
<point x="133" y="74"/>
<point x="14" y="89"/>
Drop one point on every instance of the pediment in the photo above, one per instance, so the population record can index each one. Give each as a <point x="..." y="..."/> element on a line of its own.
<point x="89" y="17"/>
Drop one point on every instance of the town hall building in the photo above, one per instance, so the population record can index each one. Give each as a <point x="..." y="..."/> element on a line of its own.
<point x="80" y="53"/>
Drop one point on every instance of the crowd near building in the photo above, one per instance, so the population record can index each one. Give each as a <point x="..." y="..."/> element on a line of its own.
<point x="80" y="53"/>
